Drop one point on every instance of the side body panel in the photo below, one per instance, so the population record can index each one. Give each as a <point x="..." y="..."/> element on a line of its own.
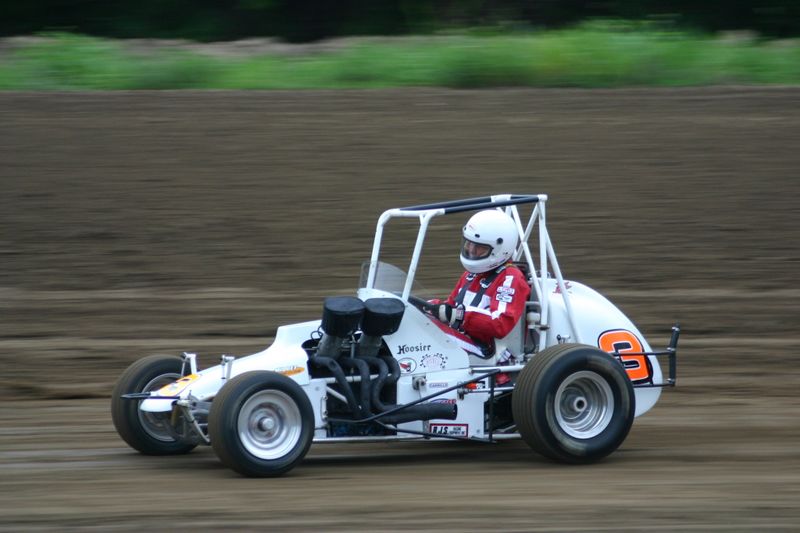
<point x="470" y="421"/>
<point x="419" y="345"/>
<point x="599" y="323"/>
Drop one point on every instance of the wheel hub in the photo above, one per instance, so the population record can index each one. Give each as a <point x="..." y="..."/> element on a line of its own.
<point x="584" y="405"/>
<point x="579" y="404"/>
<point x="267" y="424"/>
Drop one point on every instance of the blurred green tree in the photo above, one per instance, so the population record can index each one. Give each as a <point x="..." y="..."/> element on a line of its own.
<point x="309" y="20"/>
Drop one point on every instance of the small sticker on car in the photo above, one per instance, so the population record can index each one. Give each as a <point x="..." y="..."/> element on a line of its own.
<point x="175" y="388"/>
<point x="451" y="430"/>
<point x="407" y="365"/>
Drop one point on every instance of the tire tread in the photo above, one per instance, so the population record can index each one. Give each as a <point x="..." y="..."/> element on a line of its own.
<point x="534" y="376"/>
<point x="222" y="424"/>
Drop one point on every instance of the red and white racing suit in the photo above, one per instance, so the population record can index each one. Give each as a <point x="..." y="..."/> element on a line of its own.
<point x="497" y="311"/>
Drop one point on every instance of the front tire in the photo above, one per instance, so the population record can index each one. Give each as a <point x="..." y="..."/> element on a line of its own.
<point x="573" y="403"/>
<point x="149" y="433"/>
<point x="261" y="424"/>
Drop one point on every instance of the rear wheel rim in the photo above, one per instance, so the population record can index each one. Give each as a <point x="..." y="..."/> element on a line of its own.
<point x="269" y="424"/>
<point x="584" y="405"/>
<point x="157" y="424"/>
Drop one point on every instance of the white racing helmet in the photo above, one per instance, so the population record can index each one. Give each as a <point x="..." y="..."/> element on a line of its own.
<point x="490" y="238"/>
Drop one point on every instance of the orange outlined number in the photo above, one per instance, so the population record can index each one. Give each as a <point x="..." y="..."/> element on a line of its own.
<point x="623" y="341"/>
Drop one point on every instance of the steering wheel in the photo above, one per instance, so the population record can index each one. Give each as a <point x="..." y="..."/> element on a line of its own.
<point x="420" y="303"/>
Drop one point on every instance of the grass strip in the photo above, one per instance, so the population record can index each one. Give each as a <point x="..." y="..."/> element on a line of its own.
<point x="592" y="55"/>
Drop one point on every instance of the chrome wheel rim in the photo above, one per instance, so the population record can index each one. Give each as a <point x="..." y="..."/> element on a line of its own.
<point x="157" y="425"/>
<point x="584" y="405"/>
<point x="269" y="424"/>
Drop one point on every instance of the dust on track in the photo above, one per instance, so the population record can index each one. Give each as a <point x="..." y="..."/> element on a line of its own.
<point x="136" y="223"/>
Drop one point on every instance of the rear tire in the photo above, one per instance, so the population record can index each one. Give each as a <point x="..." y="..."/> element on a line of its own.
<point x="573" y="403"/>
<point x="149" y="433"/>
<point x="261" y="424"/>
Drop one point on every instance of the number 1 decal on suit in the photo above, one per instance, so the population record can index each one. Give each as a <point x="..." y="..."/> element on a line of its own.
<point x="623" y="341"/>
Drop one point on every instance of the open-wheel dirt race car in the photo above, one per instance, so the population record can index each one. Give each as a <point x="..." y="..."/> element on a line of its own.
<point x="569" y="378"/>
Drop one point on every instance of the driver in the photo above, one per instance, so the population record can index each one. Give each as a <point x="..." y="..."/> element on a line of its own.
<point x="489" y="298"/>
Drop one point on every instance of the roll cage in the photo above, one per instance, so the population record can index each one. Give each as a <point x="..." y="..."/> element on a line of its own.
<point x="508" y="202"/>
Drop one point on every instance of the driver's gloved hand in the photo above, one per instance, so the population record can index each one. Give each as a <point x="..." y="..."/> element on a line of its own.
<point x="449" y="314"/>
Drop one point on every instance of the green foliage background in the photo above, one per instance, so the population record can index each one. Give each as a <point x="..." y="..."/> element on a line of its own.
<point x="455" y="43"/>
<point x="590" y="55"/>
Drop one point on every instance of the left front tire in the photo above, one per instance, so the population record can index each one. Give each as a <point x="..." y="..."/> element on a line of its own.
<point x="149" y="433"/>
<point x="261" y="424"/>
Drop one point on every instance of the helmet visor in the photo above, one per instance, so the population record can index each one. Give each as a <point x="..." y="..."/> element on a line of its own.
<point x="475" y="250"/>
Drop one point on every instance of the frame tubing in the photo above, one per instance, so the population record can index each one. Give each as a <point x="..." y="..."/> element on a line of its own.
<point x="490" y="204"/>
<point x="478" y="202"/>
<point x="562" y="286"/>
<point x="543" y="305"/>
<point x="376" y="244"/>
<point x="424" y="220"/>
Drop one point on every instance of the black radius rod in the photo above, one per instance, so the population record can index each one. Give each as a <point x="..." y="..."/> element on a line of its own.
<point x="415" y="402"/>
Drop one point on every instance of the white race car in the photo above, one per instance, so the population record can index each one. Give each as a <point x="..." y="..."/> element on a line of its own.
<point x="377" y="367"/>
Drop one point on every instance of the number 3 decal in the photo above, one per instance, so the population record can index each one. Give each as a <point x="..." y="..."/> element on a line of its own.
<point x="623" y="341"/>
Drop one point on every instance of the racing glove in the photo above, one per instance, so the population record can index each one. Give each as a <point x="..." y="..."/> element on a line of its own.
<point x="449" y="314"/>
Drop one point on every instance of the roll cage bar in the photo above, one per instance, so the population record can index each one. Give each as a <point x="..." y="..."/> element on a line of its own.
<point x="508" y="202"/>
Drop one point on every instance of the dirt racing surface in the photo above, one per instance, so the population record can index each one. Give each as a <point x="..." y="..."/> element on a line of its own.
<point x="140" y="223"/>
